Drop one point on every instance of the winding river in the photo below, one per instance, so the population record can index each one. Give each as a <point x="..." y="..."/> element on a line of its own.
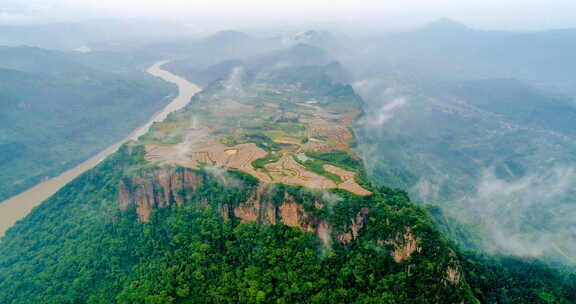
<point x="17" y="207"/>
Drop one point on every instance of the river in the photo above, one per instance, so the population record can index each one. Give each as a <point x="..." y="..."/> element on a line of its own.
<point x="18" y="206"/>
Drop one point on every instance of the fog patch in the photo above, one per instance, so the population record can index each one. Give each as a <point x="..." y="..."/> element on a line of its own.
<point x="383" y="101"/>
<point x="528" y="216"/>
<point x="426" y="190"/>
<point x="233" y="85"/>
<point x="385" y="113"/>
<point x="222" y="176"/>
<point x="83" y="49"/>
<point x="330" y="198"/>
<point x="369" y="155"/>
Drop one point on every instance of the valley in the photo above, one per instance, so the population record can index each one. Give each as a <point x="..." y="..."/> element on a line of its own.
<point x="17" y="207"/>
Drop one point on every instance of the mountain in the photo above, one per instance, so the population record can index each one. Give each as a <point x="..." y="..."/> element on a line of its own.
<point x="252" y="193"/>
<point x="510" y="147"/>
<point x="255" y="192"/>
<point x="40" y="61"/>
<point x="444" y="25"/>
<point x="323" y="39"/>
<point x="213" y="57"/>
<point x="296" y="56"/>
<point x="56" y="112"/>
<point x="488" y="161"/>
<point x="226" y="39"/>
<point x="447" y="50"/>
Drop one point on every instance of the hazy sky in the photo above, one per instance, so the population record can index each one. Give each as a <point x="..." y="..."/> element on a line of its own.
<point x="503" y="14"/>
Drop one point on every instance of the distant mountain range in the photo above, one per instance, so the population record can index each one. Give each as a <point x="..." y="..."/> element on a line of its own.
<point x="447" y="50"/>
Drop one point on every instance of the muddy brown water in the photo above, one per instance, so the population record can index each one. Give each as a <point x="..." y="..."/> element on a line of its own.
<point x="17" y="207"/>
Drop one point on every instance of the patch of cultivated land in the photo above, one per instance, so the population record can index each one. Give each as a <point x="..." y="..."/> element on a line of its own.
<point x="258" y="136"/>
<point x="348" y="180"/>
<point x="290" y="172"/>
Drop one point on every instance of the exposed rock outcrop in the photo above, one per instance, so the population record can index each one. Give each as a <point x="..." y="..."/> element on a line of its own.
<point x="453" y="274"/>
<point x="356" y="225"/>
<point x="156" y="189"/>
<point x="290" y="213"/>
<point x="404" y="244"/>
<point x="162" y="187"/>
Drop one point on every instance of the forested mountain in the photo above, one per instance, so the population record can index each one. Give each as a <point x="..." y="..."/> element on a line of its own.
<point x="282" y="152"/>
<point x="254" y="193"/>
<point x="477" y="122"/>
<point x="254" y="212"/>
<point x="205" y="60"/>
<point x="57" y="109"/>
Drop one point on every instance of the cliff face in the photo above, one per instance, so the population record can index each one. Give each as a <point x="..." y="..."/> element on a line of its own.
<point x="156" y="189"/>
<point x="404" y="244"/>
<point x="258" y="208"/>
<point x="162" y="187"/>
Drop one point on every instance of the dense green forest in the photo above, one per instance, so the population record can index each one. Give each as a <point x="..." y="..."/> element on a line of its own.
<point x="78" y="247"/>
<point x="56" y="111"/>
<point x="500" y="279"/>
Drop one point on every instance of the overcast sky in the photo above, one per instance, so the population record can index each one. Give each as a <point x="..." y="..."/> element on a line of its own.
<point x="493" y="14"/>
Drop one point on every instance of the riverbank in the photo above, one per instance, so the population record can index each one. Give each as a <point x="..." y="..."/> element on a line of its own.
<point x="18" y="206"/>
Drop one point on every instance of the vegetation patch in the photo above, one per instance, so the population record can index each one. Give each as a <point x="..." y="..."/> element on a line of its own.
<point x="317" y="166"/>
<point x="339" y="158"/>
<point x="262" y="141"/>
<point x="260" y="163"/>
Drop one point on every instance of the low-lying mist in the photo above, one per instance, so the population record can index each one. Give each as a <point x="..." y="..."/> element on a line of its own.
<point x="510" y="182"/>
<point x="530" y="216"/>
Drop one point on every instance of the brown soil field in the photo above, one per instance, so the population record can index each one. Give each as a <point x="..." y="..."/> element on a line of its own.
<point x="325" y="132"/>
<point x="290" y="141"/>
<point x="348" y="180"/>
<point x="290" y="172"/>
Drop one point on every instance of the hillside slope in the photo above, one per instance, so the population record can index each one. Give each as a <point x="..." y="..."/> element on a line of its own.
<point x="56" y="112"/>
<point x="479" y="123"/>
<point x="495" y="154"/>
<point x="251" y="194"/>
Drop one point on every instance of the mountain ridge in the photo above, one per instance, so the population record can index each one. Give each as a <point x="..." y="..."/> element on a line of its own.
<point x="254" y="192"/>
<point x="156" y="200"/>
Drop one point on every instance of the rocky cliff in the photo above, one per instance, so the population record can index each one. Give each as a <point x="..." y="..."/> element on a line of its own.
<point x="161" y="187"/>
<point x="265" y="204"/>
<point x="155" y="189"/>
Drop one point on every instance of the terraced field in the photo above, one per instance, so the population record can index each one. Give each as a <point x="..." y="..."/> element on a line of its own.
<point x="267" y="137"/>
